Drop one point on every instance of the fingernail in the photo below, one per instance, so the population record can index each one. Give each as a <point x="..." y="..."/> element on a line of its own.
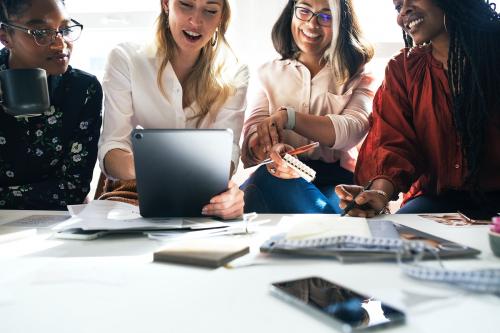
<point x="204" y="211"/>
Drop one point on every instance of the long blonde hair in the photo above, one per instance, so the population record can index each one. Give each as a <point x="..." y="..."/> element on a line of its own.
<point x="207" y="84"/>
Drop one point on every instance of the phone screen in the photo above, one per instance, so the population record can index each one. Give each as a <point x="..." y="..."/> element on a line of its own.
<point x="346" y="306"/>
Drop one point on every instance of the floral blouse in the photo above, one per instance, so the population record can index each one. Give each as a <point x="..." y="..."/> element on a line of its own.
<point x="46" y="162"/>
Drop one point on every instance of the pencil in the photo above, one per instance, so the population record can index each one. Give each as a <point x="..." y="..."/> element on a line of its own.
<point x="296" y="151"/>
<point x="353" y="204"/>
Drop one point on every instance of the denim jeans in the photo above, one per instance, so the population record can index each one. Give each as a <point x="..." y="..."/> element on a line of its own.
<point x="453" y="201"/>
<point x="265" y="193"/>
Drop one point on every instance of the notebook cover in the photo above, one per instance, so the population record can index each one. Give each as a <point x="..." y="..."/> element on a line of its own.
<point x="201" y="254"/>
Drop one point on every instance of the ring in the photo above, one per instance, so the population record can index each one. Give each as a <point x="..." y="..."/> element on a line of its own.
<point x="272" y="170"/>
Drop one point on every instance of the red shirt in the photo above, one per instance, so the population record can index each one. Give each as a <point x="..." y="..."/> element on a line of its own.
<point x="412" y="140"/>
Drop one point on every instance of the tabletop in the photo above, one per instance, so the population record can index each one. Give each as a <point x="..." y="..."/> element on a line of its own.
<point x="112" y="284"/>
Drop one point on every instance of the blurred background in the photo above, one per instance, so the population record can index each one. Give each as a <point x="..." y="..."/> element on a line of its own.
<point x="107" y="23"/>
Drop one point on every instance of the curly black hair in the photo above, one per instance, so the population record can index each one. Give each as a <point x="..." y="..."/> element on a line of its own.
<point x="473" y="73"/>
<point x="10" y="8"/>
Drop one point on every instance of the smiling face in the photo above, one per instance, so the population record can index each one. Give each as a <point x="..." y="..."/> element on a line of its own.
<point x="312" y="38"/>
<point x="24" y="52"/>
<point x="193" y="22"/>
<point x="421" y="19"/>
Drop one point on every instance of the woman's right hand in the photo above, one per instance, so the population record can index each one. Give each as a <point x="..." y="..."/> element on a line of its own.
<point x="279" y="168"/>
<point x="368" y="203"/>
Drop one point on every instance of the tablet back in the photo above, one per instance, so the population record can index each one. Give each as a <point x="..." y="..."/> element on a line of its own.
<point x="178" y="171"/>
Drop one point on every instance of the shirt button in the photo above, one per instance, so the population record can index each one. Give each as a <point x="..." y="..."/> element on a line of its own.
<point x="457" y="166"/>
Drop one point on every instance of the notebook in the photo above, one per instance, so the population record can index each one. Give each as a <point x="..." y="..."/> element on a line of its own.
<point x="178" y="171"/>
<point x="207" y="253"/>
<point x="381" y="244"/>
<point x="301" y="168"/>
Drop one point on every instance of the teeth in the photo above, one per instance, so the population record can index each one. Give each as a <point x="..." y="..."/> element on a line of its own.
<point x="192" y="33"/>
<point x="414" y="23"/>
<point x="310" y="35"/>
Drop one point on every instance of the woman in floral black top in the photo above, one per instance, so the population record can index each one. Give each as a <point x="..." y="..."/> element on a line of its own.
<point x="46" y="162"/>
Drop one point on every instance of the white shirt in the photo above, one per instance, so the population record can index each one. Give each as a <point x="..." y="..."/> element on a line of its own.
<point x="132" y="98"/>
<point x="288" y="83"/>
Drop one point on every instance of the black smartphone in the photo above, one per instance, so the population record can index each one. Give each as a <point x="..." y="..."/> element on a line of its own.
<point x="346" y="309"/>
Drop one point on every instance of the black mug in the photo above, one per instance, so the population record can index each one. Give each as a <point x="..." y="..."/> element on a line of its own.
<point x="24" y="92"/>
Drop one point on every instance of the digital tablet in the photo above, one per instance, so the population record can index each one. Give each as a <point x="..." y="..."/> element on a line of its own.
<point x="178" y="171"/>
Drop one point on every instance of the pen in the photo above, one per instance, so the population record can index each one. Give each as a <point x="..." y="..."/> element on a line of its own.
<point x="296" y="151"/>
<point x="352" y="204"/>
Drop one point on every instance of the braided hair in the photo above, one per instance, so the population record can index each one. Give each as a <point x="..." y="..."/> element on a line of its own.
<point x="473" y="73"/>
<point x="10" y="8"/>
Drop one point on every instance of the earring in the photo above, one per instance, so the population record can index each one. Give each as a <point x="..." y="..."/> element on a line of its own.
<point x="166" y="14"/>
<point x="444" y="22"/>
<point x="214" y="39"/>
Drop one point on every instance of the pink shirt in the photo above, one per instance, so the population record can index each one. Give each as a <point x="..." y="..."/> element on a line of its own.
<point x="288" y="83"/>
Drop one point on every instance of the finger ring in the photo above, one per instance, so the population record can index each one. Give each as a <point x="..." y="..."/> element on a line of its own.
<point x="272" y="170"/>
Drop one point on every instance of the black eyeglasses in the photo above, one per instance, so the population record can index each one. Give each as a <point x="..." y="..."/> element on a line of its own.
<point x="305" y="14"/>
<point x="44" y="37"/>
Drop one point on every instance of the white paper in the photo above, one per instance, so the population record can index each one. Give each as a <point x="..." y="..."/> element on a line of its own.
<point x="119" y="216"/>
<point x="317" y="226"/>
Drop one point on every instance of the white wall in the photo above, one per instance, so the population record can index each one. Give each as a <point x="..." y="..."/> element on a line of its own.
<point x="108" y="22"/>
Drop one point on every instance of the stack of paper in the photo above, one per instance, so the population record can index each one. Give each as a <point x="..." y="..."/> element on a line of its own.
<point x="122" y="217"/>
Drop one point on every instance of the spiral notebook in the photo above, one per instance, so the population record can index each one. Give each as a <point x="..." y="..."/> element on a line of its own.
<point x="349" y="248"/>
<point x="301" y="168"/>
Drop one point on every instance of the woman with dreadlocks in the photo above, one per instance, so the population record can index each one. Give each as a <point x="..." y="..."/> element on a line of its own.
<point x="435" y="126"/>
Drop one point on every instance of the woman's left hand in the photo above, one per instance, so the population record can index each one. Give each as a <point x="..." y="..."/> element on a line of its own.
<point x="227" y="205"/>
<point x="270" y="130"/>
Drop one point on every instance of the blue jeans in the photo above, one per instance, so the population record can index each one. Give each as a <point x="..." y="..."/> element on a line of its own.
<point x="265" y="193"/>
<point x="453" y="201"/>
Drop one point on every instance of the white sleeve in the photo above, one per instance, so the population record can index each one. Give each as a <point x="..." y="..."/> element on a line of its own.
<point x="232" y="113"/>
<point x="118" y="108"/>
<point x="352" y="124"/>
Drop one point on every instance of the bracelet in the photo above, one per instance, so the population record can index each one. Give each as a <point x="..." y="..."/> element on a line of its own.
<point x="382" y="193"/>
<point x="290" y="124"/>
<point x="385" y="209"/>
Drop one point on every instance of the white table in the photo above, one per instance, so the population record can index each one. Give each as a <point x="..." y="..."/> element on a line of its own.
<point x="111" y="285"/>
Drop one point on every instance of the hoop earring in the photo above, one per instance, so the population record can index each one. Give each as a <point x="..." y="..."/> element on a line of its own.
<point x="215" y="38"/>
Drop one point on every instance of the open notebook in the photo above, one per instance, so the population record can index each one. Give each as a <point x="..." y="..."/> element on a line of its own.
<point x="359" y="240"/>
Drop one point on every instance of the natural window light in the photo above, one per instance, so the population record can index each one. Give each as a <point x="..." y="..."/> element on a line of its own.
<point x="110" y="22"/>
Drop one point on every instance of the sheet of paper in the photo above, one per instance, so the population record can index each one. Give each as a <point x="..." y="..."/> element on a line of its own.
<point x="37" y="221"/>
<point x="119" y="216"/>
<point x="319" y="226"/>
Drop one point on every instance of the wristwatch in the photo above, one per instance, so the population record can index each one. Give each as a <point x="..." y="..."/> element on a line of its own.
<point x="290" y="124"/>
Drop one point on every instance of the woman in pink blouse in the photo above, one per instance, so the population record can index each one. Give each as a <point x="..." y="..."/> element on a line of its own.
<point x="317" y="91"/>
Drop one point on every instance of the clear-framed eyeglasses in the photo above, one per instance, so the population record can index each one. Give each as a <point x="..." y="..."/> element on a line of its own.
<point x="44" y="37"/>
<point x="305" y="14"/>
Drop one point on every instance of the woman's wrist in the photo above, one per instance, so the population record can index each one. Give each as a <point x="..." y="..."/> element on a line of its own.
<point x="289" y="116"/>
<point x="383" y="187"/>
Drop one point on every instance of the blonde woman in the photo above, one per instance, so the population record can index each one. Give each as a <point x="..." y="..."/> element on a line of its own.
<point x="317" y="91"/>
<point x="186" y="78"/>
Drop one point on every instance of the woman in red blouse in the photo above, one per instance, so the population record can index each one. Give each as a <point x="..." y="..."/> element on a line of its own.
<point x="435" y="127"/>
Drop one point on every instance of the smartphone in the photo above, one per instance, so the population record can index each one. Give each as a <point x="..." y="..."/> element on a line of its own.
<point x="346" y="309"/>
<point x="80" y="234"/>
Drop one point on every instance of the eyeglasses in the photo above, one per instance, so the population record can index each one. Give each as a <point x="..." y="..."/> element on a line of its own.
<point x="305" y="14"/>
<point x="44" y="37"/>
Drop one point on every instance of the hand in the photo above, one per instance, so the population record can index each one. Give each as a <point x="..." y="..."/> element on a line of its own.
<point x="270" y="130"/>
<point x="279" y="168"/>
<point x="368" y="203"/>
<point x="227" y="205"/>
